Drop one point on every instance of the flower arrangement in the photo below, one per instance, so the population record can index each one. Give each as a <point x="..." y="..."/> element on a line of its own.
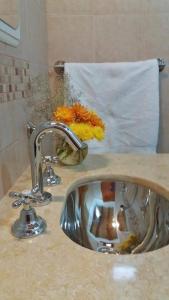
<point x="86" y="124"/>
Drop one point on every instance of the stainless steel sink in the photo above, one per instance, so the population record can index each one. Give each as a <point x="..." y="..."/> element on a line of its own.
<point x="116" y="217"/>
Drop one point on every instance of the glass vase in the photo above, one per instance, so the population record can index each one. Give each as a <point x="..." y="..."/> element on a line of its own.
<point x="70" y="157"/>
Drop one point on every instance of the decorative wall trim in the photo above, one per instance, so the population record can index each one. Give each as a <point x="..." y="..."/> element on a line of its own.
<point x="15" y="81"/>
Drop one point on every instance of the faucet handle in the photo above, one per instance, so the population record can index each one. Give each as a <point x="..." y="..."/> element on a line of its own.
<point x="28" y="224"/>
<point x="50" y="159"/>
<point x="50" y="178"/>
<point x="18" y="202"/>
<point x="24" y="198"/>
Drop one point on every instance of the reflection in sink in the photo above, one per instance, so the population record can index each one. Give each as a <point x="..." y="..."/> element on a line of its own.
<point x="116" y="217"/>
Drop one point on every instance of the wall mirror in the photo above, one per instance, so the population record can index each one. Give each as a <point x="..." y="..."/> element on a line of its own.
<point x="9" y="22"/>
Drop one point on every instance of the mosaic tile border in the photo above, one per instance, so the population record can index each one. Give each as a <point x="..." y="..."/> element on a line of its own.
<point x="15" y="81"/>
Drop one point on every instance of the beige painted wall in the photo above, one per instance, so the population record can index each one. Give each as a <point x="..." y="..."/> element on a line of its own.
<point x="29" y="57"/>
<point x="112" y="30"/>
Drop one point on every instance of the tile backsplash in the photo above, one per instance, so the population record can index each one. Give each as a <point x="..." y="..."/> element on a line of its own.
<point x="15" y="82"/>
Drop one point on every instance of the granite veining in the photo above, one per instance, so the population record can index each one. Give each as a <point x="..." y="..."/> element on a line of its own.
<point x="51" y="266"/>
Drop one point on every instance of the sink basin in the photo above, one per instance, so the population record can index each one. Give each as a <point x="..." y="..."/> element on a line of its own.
<point x="116" y="217"/>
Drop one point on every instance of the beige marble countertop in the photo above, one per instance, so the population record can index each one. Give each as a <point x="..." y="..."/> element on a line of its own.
<point x="51" y="266"/>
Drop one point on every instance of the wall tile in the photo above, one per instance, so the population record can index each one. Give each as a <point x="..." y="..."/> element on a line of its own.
<point x="1" y="186"/>
<point x="8" y="7"/>
<point x="71" y="7"/>
<point x="8" y="166"/>
<point x="154" y="32"/>
<point x="6" y="125"/>
<point x="13" y="161"/>
<point x="155" y="7"/>
<point x="164" y="112"/>
<point x="34" y="27"/>
<point x="2" y="47"/>
<point x="5" y="7"/>
<point x="117" y="38"/>
<point x="115" y="7"/>
<point x="70" y="38"/>
<point x="41" y="4"/>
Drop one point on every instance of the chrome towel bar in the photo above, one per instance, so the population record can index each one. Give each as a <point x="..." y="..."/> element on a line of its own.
<point x="59" y="66"/>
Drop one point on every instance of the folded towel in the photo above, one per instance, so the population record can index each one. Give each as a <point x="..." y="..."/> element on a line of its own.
<point x="126" y="96"/>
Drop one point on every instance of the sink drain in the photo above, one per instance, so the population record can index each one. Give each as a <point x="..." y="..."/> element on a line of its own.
<point x="106" y="250"/>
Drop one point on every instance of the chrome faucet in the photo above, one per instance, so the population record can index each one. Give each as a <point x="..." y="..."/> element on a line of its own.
<point x="36" y="136"/>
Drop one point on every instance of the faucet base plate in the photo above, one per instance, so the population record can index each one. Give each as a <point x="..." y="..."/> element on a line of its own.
<point x="28" y="225"/>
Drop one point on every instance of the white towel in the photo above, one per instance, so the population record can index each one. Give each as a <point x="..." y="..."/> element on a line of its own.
<point x="126" y="96"/>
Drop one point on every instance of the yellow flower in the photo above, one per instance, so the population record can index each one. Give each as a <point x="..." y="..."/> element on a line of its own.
<point x="98" y="133"/>
<point x="87" y="132"/>
<point x="64" y="114"/>
<point x="82" y="130"/>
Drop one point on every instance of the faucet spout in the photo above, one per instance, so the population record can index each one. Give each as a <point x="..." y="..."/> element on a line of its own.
<point x="36" y="138"/>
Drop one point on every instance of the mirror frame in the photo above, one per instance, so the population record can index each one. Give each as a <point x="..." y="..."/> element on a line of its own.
<point x="8" y="34"/>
